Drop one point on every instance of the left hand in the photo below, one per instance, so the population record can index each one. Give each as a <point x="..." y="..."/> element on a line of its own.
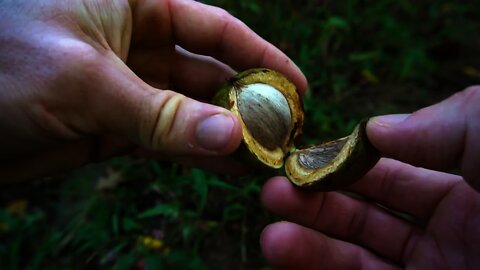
<point x="84" y="80"/>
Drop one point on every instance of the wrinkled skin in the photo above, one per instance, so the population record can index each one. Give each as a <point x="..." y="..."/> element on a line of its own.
<point x="82" y="81"/>
<point x="336" y="231"/>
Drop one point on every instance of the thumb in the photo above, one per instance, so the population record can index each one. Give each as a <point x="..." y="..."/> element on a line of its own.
<point x="440" y="137"/>
<point x="163" y="120"/>
<point x="177" y="125"/>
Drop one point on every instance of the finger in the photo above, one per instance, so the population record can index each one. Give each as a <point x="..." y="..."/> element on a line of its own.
<point x="118" y="102"/>
<point x="290" y="246"/>
<point x="177" y="125"/>
<point x="440" y="137"/>
<point x="204" y="74"/>
<point x="389" y="181"/>
<point x="342" y="217"/>
<point x="193" y="75"/>
<point x="207" y="30"/>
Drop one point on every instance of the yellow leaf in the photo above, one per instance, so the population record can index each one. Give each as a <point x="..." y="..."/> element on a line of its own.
<point x="17" y="207"/>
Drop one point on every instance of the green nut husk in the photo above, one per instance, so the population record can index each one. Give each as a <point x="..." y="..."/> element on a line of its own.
<point x="272" y="116"/>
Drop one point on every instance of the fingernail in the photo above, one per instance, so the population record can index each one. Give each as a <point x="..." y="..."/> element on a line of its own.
<point x="389" y="120"/>
<point x="214" y="132"/>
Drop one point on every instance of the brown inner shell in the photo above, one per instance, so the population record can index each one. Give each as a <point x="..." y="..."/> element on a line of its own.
<point x="320" y="156"/>
<point x="266" y="114"/>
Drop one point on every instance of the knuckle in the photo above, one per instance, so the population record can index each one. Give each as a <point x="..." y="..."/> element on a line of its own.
<point x="223" y="14"/>
<point x="469" y="95"/>
<point x="163" y="120"/>
<point x="226" y="22"/>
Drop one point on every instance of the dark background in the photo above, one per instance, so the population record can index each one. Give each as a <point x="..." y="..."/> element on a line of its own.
<point x="362" y="58"/>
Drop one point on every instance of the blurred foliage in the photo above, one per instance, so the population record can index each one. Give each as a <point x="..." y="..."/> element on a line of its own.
<point x="129" y="214"/>
<point x="361" y="57"/>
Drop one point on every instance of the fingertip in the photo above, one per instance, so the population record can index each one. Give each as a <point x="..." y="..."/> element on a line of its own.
<point x="235" y="137"/>
<point x="296" y="75"/>
<point x="388" y="120"/>
<point x="283" y="198"/>
<point x="219" y="133"/>
<point x="430" y="137"/>
<point x="382" y="131"/>
<point x="279" y="244"/>
<point x="275" y="181"/>
<point x="288" y="245"/>
<point x="273" y="191"/>
<point x="301" y="82"/>
<point x="383" y="124"/>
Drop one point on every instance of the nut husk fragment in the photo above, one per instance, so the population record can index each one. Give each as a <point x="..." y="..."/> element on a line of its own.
<point x="333" y="165"/>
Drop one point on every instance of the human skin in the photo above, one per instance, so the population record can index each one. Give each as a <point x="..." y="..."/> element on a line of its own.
<point x="82" y="81"/>
<point x="337" y="231"/>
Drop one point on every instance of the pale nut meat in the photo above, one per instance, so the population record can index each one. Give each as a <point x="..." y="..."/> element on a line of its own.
<point x="266" y="114"/>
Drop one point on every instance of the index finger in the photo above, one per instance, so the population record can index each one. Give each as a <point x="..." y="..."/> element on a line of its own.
<point x="212" y="31"/>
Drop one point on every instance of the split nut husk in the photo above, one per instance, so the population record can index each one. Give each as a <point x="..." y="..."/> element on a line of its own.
<point x="272" y="117"/>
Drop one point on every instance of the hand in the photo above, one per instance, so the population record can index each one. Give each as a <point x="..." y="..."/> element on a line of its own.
<point x="336" y="231"/>
<point x="81" y="81"/>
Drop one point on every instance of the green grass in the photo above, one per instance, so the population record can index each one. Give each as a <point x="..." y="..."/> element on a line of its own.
<point x="362" y="58"/>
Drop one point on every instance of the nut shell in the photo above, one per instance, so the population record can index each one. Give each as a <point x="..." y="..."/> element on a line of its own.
<point x="271" y="155"/>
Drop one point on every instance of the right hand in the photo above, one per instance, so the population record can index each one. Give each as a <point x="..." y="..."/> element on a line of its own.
<point x="335" y="231"/>
<point x="81" y="81"/>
